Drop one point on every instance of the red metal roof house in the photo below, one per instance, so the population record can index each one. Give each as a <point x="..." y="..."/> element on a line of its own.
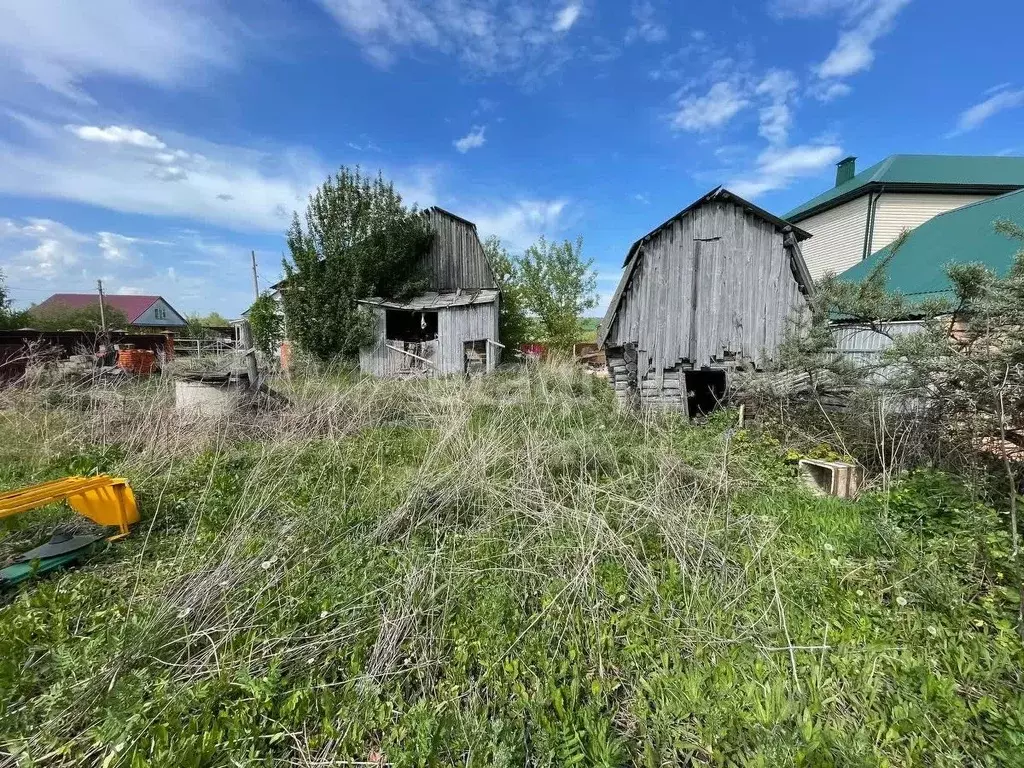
<point x="146" y="311"/>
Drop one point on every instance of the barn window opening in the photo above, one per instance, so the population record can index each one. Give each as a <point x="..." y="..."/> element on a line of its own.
<point x="403" y="325"/>
<point x="705" y="391"/>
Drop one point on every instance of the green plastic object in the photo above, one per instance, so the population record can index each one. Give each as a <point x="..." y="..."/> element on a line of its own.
<point x="60" y="551"/>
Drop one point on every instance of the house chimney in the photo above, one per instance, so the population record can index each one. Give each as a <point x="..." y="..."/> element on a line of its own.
<point x="845" y="170"/>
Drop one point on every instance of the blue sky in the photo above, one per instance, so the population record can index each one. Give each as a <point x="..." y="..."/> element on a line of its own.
<point x="154" y="144"/>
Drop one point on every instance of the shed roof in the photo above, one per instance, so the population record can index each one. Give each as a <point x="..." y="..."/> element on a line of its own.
<point x="961" y="236"/>
<point x="939" y="173"/>
<point x="132" y="306"/>
<point x="434" y="300"/>
<point x="721" y="193"/>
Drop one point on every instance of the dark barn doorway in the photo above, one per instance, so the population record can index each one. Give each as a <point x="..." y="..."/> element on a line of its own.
<point x="403" y="325"/>
<point x="705" y="391"/>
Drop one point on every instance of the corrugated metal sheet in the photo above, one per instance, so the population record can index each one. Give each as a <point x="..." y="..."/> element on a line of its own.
<point x="897" y="211"/>
<point x="456" y="325"/>
<point x="837" y="241"/>
<point x="456" y="259"/>
<point x="435" y="300"/>
<point x="864" y="346"/>
<point x="712" y="287"/>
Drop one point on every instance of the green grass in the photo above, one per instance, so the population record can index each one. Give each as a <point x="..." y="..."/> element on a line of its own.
<point x="499" y="572"/>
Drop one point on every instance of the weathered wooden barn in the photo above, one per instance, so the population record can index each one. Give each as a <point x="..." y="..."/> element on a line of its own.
<point x="710" y="289"/>
<point x="451" y="329"/>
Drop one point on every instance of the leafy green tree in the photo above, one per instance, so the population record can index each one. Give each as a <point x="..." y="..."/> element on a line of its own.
<point x="514" y="324"/>
<point x="558" y="287"/>
<point x="9" y="318"/>
<point x="60" y="317"/>
<point x="266" y="323"/>
<point x="212" y="320"/>
<point x="358" y="240"/>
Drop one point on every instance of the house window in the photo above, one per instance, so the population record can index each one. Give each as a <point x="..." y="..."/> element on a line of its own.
<point x="401" y="325"/>
<point x="160" y="314"/>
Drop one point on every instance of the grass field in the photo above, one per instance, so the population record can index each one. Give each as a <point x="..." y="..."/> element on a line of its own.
<point x="505" y="571"/>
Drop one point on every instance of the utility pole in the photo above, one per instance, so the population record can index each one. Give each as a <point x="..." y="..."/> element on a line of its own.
<point x="103" y="317"/>
<point x="255" y="280"/>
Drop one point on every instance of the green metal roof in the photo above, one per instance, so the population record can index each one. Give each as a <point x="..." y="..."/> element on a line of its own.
<point x="960" y="173"/>
<point x="963" y="236"/>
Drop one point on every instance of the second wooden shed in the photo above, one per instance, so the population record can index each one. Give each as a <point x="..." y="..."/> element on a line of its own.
<point x="710" y="289"/>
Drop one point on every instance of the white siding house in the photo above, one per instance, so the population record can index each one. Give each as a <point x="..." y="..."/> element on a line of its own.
<point x="897" y="211"/>
<point x="867" y="211"/>
<point x="161" y="315"/>
<point x="837" y="238"/>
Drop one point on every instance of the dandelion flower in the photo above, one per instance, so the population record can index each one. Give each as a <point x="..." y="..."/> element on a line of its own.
<point x="901" y="601"/>
<point x="266" y="564"/>
<point x="933" y="631"/>
<point x="834" y="563"/>
<point x="860" y="593"/>
<point x="323" y="614"/>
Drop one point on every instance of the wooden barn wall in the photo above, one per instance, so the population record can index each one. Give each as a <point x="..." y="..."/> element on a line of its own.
<point x="458" y="325"/>
<point x="712" y="287"/>
<point x="455" y="326"/>
<point x="456" y="259"/>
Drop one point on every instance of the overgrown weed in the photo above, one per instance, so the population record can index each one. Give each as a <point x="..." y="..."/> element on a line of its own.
<point x="502" y="571"/>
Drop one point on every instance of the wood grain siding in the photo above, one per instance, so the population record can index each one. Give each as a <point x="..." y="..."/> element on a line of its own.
<point x="455" y="326"/>
<point x="456" y="259"/>
<point x="837" y="237"/>
<point x="896" y="211"/>
<point x="711" y="288"/>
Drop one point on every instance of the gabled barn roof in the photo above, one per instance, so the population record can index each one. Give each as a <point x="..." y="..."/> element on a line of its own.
<point x="793" y="234"/>
<point x="721" y="193"/>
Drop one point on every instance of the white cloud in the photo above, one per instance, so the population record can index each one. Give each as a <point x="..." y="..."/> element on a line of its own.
<point x="235" y="187"/>
<point x="521" y="223"/>
<point x="472" y="140"/>
<point x="1003" y="97"/>
<point x="117" y="134"/>
<point x="567" y="17"/>
<point x="778" y="166"/>
<point x="713" y="110"/>
<point x="59" y="44"/>
<point x="776" y="117"/>
<point x="854" y="52"/>
<point x="42" y="256"/>
<point x="827" y="91"/>
<point x="646" y="26"/>
<point x="863" y="24"/>
<point x="488" y="37"/>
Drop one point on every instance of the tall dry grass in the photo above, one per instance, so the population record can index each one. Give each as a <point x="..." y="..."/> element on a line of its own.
<point x="349" y="541"/>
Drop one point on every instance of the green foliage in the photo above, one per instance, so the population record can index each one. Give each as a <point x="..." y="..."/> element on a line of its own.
<point x="951" y="395"/>
<point x="63" y="318"/>
<point x="515" y="327"/>
<point x="212" y="320"/>
<point x="505" y="572"/>
<point x="9" y="318"/>
<point x="357" y="240"/>
<point x="589" y="327"/>
<point x="266" y="324"/>
<point x="198" y="326"/>
<point x="558" y="287"/>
